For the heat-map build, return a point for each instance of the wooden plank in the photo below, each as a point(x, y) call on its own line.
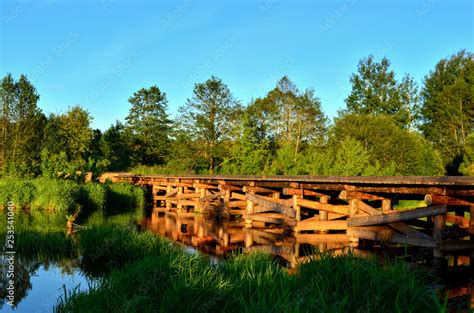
point(457, 245)
point(347, 194)
point(338, 209)
point(238, 196)
point(408, 230)
point(172, 192)
point(253, 189)
point(272, 218)
point(396, 216)
point(212, 197)
point(205, 186)
point(385, 234)
point(273, 205)
point(302, 192)
point(173, 184)
point(448, 200)
point(316, 239)
point(462, 222)
point(188, 196)
point(230, 187)
point(320, 225)
point(367, 208)
point(235, 204)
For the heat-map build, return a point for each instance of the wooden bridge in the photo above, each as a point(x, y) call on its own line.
point(352, 211)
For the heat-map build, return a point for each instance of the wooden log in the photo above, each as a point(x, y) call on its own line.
point(457, 245)
point(362, 206)
point(347, 195)
point(396, 216)
point(338, 209)
point(462, 222)
point(252, 189)
point(211, 197)
point(272, 218)
point(238, 196)
point(235, 204)
point(324, 215)
point(274, 206)
point(176, 184)
point(448, 200)
point(320, 225)
point(171, 192)
point(316, 239)
point(353, 210)
point(386, 205)
point(471, 238)
point(302, 192)
point(188, 196)
point(385, 234)
point(205, 186)
point(297, 207)
point(229, 187)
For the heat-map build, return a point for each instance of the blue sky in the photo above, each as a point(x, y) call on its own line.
point(97, 53)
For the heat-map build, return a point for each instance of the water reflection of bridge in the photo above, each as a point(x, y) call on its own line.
point(220, 237)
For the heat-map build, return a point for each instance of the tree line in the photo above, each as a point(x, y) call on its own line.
point(389, 126)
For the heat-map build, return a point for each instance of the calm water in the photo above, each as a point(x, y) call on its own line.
point(41, 283)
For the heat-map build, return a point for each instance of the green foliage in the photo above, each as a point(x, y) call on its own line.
point(251, 152)
point(20, 192)
point(21, 127)
point(390, 148)
point(50, 200)
point(115, 147)
point(208, 118)
point(376, 91)
point(148, 126)
point(467, 166)
point(448, 107)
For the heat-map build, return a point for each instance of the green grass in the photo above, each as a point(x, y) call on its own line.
point(148, 274)
point(65, 197)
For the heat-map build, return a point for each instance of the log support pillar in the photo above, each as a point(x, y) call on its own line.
point(353, 210)
point(438, 228)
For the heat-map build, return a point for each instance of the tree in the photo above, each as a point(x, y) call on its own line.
point(149, 126)
point(388, 146)
point(250, 154)
point(22, 126)
point(467, 166)
point(67, 141)
point(448, 107)
point(208, 117)
point(376, 91)
point(115, 148)
point(292, 120)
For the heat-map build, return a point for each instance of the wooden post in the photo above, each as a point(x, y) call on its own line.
point(323, 215)
point(168, 203)
point(353, 210)
point(439, 222)
point(386, 205)
point(180, 206)
point(471, 238)
point(249, 210)
point(297, 207)
point(248, 239)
